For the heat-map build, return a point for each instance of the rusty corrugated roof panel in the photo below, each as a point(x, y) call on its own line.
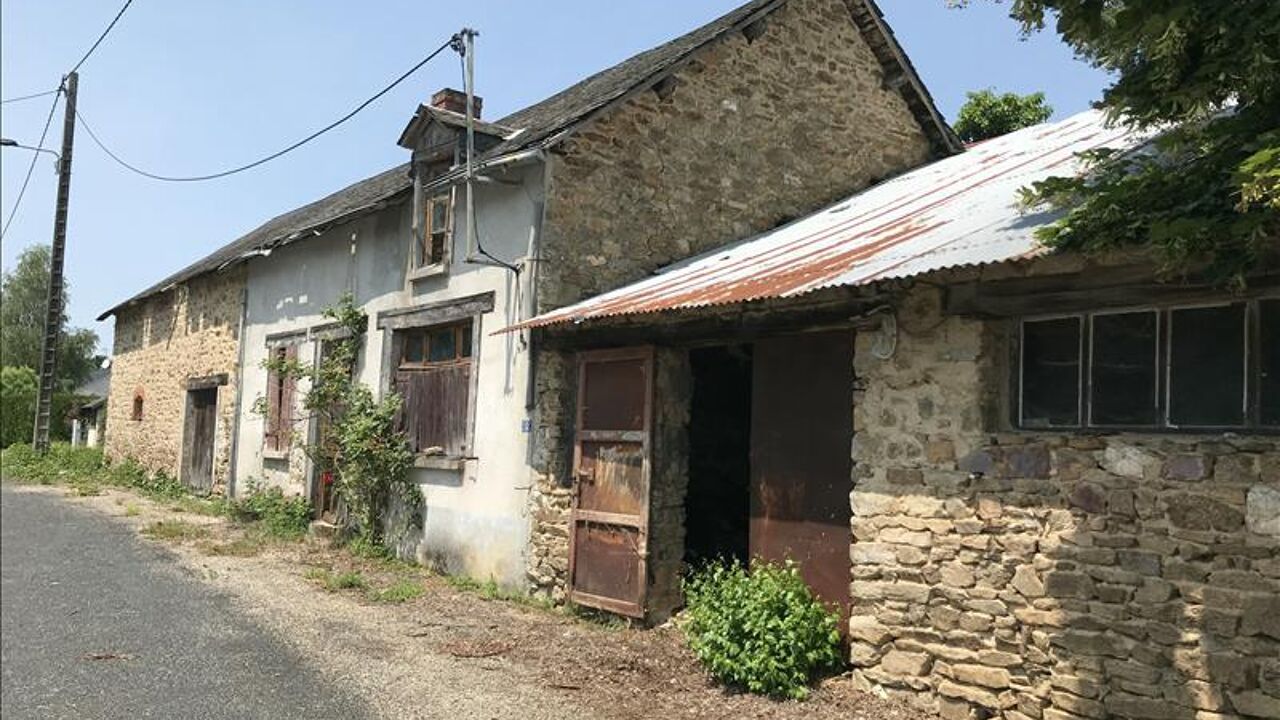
point(962, 210)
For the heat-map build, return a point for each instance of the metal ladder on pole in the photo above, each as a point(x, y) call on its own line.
point(53, 312)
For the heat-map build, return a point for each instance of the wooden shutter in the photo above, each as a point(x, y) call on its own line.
point(285, 435)
point(271, 437)
point(434, 404)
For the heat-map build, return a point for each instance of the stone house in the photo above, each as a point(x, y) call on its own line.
point(755, 118)
point(174, 376)
point(1036, 485)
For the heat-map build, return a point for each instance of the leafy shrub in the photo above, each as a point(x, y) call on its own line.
point(62, 464)
point(18, 390)
point(157, 485)
point(762, 629)
point(281, 516)
point(126, 473)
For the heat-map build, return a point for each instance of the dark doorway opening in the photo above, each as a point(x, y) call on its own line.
point(718, 500)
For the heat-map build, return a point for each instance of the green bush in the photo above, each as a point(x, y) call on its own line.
point(762, 629)
point(281, 515)
point(63, 464)
point(17, 405)
point(156, 485)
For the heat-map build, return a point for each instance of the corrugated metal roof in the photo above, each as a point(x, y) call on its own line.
point(962, 210)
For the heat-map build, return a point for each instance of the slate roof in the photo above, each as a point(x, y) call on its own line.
point(343, 205)
point(543, 123)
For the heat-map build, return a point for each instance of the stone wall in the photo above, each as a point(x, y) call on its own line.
point(668, 481)
point(191, 331)
point(754, 133)
point(1049, 575)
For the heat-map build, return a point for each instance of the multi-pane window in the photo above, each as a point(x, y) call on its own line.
point(432, 247)
point(1206, 366)
point(433, 378)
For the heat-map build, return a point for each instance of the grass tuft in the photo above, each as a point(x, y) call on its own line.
point(401, 590)
point(333, 582)
point(175, 530)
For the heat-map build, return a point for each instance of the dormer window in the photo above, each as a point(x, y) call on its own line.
point(435, 239)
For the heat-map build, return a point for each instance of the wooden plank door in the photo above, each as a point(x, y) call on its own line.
point(801, 458)
point(201, 422)
point(609, 529)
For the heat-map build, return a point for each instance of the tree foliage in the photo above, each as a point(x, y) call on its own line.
point(987, 114)
point(1206, 76)
point(23, 297)
point(17, 404)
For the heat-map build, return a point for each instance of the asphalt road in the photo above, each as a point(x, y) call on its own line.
point(74, 584)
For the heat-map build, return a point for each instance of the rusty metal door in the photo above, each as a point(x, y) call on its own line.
point(608, 544)
point(801, 460)
point(201, 423)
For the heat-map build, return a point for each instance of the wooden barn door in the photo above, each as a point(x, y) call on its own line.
point(608, 545)
point(201, 422)
point(801, 458)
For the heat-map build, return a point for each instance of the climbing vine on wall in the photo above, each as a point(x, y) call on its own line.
point(361, 441)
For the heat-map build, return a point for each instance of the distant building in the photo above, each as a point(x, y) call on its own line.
point(89, 419)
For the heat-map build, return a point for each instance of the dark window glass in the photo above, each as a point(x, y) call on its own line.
point(413, 348)
point(1269, 355)
point(466, 341)
point(442, 344)
point(1123, 369)
point(1206, 366)
point(1051, 372)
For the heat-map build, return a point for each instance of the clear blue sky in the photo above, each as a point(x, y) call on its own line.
point(194, 87)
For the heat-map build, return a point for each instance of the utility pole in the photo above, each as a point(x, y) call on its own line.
point(53, 313)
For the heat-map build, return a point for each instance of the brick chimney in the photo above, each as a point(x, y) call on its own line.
point(456, 101)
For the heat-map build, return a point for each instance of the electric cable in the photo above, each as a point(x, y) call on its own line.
point(35, 156)
point(103, 36)
point(232, 171)
point(28, 97)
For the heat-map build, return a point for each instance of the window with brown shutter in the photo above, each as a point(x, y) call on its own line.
point(433, 379)
point(280, 399)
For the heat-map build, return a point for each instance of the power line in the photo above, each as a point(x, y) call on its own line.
point(104, 34)
point(212, 176)
point(35, 156)
point(28, 97)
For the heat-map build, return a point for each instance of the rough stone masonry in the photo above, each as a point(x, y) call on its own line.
point(753, 132)
point(190, 331)
point(1051, 575)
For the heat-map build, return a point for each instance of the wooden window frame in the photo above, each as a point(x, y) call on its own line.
point(394, 323)
point(461, 329)
point(422, 262)
point(1251, 399)
point(422, 333)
